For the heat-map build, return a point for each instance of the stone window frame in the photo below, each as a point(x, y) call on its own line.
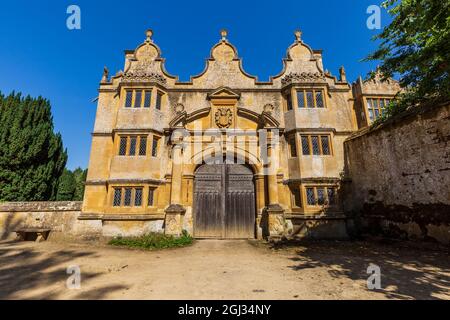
point(320, 136)
point(157, 139)
point(313, 91)
point(159, 100)
point(296, 196)
point(292, 142)
point(143, 94)
point(371, 107)
point(128, 138)
point(143, 201)
point(326, 188)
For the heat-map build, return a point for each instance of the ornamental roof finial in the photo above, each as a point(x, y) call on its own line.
point(149, 34)
point(224, 34)
point(298, 35)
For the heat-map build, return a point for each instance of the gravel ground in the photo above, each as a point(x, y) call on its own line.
point(212, 269)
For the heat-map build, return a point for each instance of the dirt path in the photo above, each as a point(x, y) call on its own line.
point(222, 270)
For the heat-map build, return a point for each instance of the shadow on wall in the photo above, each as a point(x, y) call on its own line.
point(406, 272)
point(26, 273)
point(9, 225)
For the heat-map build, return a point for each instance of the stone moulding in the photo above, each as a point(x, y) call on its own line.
point(121, 217)
point(143, 76)
point(303, 77)
point(40, 206)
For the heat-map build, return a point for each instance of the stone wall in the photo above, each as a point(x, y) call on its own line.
point(67, 223)
point(399, 174)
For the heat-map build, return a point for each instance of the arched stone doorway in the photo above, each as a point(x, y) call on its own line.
point(224, 202)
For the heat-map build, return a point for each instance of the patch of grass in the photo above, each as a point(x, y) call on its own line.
point(153, 241)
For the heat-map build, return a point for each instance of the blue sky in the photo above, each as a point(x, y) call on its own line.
point(40, 56)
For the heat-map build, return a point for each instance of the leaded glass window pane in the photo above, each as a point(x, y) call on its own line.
point(320, 196)
point(371, 114)
point(117, 197)
point(127, 197)
point(325, 145)
point(377, 113)
point(301, 99)
point(138, 197)
point(158, 100)
point(155, 147)
point(151, 196)
point(138, 99)
point(315, 145)
point(310, 197)
point(147, 99)
point(143, 146)
point(369, 103)
point(293, 147)
point(297, 198)
point(289, 102)
point(123, 146)
point(128, 99)
point(319, 100)
point(331, 196)
point(382, 104)
point(305, 146)
point(133, 141)
point(309, 99)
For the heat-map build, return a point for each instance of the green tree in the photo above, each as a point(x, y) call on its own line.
point(416, 46)
point(80, 178)
point(66, 187)
point(32, 157)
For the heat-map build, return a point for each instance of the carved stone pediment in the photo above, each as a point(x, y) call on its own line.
point(303, 77)
point(224, 93)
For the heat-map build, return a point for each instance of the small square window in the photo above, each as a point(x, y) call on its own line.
point(147, 99)
point(310, 197)
point(127, 197)
point(151, 197)
point(143, 146)
point(133, 141)
point(315, 145)
point(117, 197)
point(309, 99)
point(325, 145)
point(301, 99)
point(128, 99)
point(305, 146)
point(138, 197)
point(319, 100)
point(123, 146)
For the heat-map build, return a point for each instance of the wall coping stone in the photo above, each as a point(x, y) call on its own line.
point(40, 206)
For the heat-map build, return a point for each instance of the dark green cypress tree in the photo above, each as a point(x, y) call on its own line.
point(66, 187)
point(32, 157)
point(80, 179)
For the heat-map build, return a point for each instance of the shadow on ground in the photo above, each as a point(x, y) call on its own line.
point(408, 270)
point(24, 271)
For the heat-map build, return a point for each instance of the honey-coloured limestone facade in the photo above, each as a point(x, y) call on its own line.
point(224, 155)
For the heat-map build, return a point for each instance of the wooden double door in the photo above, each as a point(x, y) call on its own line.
point(224, 202)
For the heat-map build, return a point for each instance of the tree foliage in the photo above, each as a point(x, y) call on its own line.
point(32, 157)
point(416, 46)
point(71, 185)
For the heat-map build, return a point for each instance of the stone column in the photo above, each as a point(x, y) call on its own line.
point(175, 211)
point(274, 212)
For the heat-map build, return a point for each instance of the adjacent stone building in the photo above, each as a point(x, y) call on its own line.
point(224, 155)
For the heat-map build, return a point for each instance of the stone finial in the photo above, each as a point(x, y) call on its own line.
point(342, 75)
point(224, 34)
point(105, 75)
point(298, 35)
point(149, 34)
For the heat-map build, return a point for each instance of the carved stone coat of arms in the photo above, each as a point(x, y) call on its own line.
point(224, 117)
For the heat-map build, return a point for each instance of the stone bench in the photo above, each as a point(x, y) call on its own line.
point(36, 234)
